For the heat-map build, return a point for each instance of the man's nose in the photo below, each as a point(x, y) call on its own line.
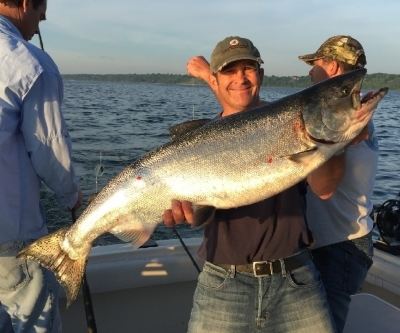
point(240, 73)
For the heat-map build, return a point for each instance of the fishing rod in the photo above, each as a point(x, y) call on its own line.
point(40, 39)
point(87, 297)
point(186, 249)
point(177, 233)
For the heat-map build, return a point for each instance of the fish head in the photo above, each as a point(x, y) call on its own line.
point(334, 112)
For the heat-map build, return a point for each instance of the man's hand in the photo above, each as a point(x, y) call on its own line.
point(199, 67)
point(78, 201)
point(180, 212)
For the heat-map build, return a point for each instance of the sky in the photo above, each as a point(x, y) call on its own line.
point(159, 36)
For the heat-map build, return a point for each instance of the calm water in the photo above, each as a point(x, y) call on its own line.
point(115, 123)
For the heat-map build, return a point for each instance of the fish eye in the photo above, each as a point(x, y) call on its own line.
point(345, 91)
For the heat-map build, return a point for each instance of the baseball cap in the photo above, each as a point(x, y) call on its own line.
point(341, 48)
point(232, 49)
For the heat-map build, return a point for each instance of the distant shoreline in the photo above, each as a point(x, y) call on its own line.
point(372, 81)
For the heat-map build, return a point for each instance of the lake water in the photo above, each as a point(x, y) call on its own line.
point(115, 123)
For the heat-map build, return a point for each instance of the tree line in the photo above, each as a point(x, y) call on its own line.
point(371, 81)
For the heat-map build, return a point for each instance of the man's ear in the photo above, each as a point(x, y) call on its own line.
point(334, 68)
point(261, 72)
point(213, 82)
point(25, 4)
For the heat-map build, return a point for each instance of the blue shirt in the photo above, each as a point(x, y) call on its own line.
point(346, 215)
point(34, 143)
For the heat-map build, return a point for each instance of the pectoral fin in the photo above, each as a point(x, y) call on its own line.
point(303, 156)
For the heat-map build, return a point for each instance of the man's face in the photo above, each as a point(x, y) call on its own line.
point(319, 71)
point(31, 17)
point(238, 85)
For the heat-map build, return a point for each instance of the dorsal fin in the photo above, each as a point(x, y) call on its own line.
point(182, 128)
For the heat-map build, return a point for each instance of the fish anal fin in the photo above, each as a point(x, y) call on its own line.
point(48, 253)
point(134, 233)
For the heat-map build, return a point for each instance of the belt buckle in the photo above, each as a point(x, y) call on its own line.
point(262, 268)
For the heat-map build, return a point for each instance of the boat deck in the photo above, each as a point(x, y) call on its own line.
point(150, 290)
point(370, 314)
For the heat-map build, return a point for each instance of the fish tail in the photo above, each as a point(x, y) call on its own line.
point(48, 252)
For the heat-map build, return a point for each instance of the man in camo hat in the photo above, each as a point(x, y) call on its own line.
point(339, 202)
point(344, 51)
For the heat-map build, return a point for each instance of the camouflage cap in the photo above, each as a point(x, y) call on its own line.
point(232, 49)
point(340, 48)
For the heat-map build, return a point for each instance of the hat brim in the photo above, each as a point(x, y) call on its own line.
point(237, 58)
point(310, 58)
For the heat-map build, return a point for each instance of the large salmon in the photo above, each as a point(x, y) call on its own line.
point(228, 162)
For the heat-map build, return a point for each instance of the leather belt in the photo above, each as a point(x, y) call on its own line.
point(265, 268)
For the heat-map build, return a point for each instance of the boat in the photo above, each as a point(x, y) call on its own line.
point(137, 290)
point(150, 290)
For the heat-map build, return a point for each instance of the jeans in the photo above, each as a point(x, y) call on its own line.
point(231, 302)
point(343, 268)
point(28, 294)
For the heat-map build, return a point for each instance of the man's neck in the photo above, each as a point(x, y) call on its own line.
point(230, 111)
point(10, 13)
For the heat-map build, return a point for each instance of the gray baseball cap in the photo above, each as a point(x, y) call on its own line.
point(232, 49)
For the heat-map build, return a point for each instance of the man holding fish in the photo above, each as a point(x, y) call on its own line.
point(258, 275)
point(339, 204)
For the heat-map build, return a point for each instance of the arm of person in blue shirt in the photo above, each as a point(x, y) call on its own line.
point(325, 180)
point(47, 139)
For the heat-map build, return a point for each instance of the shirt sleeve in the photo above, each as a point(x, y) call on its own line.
point(47, 139)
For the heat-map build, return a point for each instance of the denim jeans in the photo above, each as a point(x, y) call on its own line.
point(231, 302)
point(343, 268)
point(28, 294)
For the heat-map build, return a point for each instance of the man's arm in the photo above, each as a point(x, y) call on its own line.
point(324, 180)
point(47, 140)
point(199, 67)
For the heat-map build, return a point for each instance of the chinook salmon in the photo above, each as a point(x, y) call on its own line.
point(228, 162)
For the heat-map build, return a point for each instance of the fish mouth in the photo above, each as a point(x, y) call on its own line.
point(371, 95)
point(369, 102)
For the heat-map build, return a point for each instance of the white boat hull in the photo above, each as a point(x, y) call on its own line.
point(151, 289)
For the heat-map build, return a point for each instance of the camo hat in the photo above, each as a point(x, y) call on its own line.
point(232, 49)
point(340, 48)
